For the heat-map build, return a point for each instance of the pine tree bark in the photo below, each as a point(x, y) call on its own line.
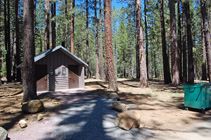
point(13, 56)
point(67, 27)
point(72, 6)
point(53, 23)
point(102, 75)
point(179, 40)
point(184, 44)
point(111, 74)
point(204, 68)
point(146, 34)
point(190, 44)
point(137, 51)
point(1, 41)
point(87, 37)
point(174, 47)
point(47, 24)
point(7, 38)
point(29, 83)
point(18, 61)
point(140, 44)
point(96, 43)
point(166, 69)
point(206, 31)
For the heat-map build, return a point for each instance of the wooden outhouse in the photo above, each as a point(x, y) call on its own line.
point(58, 69)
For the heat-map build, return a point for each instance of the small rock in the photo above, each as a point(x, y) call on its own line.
point(40, 117)
point(114, 96)
point(119, 106)
point(33, 106)
point(128, 119)
point(3, 134)
point(22, 123)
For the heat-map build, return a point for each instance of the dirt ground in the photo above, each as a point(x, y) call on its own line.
point(161, 106)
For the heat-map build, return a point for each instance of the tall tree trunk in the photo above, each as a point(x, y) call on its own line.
point(190, 44)
point(140, 44)
point(179, 41)
point(29, 83)
point(174, 50)
point(101, 45)
point(47, 26)
point(72, 6)
point(146, 34)
point(166, 69)
point(137, 53)
point(35, 10)
point(184, 44)
point(7, 38)
point(53, 23)
point(154, 65)
point(204, 68)
point(13, 62)
point(111, 74)
point(206, 31)
point(96, 43)
point(18, 61)
point(87, 37)
point(1, 41)
point(67, 27)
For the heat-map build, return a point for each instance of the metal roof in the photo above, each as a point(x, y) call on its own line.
point(45, 53)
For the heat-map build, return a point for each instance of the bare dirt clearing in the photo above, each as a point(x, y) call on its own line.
point(161, 106)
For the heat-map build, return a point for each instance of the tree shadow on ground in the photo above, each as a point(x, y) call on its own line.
point(90, 119)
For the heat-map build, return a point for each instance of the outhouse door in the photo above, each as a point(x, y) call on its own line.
point(41, 77)
point(73, 77)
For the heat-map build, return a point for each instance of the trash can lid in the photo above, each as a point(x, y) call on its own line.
point(196, 85)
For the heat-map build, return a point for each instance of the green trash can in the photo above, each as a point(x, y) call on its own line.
point(198, 96)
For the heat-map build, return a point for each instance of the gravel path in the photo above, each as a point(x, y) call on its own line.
point(90, 118)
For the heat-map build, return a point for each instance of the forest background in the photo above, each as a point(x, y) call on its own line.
point(90, 47)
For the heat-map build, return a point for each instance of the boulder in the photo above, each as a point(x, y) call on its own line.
point(119, 106)
point(33, 106)
point(3, 134)
point(22, 123)
point(40, 117)
point(114, 96)
point(128, 119)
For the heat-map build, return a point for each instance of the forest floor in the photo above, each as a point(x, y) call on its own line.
point(161, 106)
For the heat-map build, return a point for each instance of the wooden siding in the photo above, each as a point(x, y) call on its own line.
point(81, 77)
point(56, 61)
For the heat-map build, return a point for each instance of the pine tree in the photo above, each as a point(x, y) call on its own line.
point(47, 22)
point(7, 38)
point(146, 34)
point(1, 41)
point(166, 71)
point(174, 47)
point(53, 23)
point(29, 84)
point(87, 37)
point(72, 6)
point(140, 44)
point(206, 31)
point(190, 44)
point(101, 43)
point(111, 75)
point(96, 42)
point(17, 39)
point(184, 44)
